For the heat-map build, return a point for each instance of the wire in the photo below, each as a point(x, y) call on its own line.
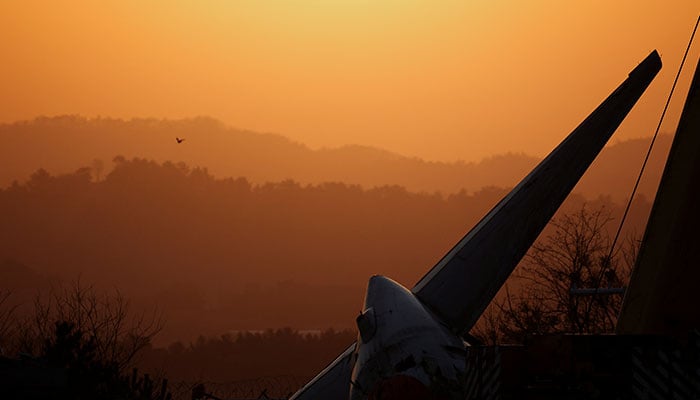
point(646, 159)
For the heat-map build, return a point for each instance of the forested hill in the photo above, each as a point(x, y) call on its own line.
point(64, 144)
point(221, 254)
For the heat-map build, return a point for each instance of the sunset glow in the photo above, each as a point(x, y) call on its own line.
point(443, 81)
point(241, 169)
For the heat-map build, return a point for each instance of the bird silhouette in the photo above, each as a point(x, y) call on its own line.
point(179, 140)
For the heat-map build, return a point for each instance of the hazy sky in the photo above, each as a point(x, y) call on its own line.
point(441, 80)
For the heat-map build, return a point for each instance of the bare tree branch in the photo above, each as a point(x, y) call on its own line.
point(574, 255)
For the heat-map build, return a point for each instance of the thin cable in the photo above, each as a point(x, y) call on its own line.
point(641, 171)
point(651, 145)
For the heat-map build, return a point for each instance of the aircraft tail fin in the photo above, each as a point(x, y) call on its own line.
point(461, 285)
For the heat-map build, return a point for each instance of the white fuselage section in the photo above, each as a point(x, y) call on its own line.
point(401, 340)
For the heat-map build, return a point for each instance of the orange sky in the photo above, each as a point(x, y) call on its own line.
point(442, 80)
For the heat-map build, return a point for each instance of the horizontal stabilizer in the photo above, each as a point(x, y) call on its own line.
point(333, 383)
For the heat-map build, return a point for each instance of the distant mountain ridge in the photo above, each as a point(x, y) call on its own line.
point(65, 143)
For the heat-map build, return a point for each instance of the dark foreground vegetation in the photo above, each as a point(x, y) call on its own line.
point(77, 343)
point(571, 281)
point(74, 343)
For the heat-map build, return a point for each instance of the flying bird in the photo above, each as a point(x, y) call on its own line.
point(179, 140)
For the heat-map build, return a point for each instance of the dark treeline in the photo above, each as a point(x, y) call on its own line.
point(248, 355)
point(224, 254)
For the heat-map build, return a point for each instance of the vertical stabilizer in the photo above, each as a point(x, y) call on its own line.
point(464, 282)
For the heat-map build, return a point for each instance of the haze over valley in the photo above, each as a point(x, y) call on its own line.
point(254, 238)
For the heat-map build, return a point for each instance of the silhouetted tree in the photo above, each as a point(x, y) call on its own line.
point(96, 326)
point(84, 343)
point(576, 255)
